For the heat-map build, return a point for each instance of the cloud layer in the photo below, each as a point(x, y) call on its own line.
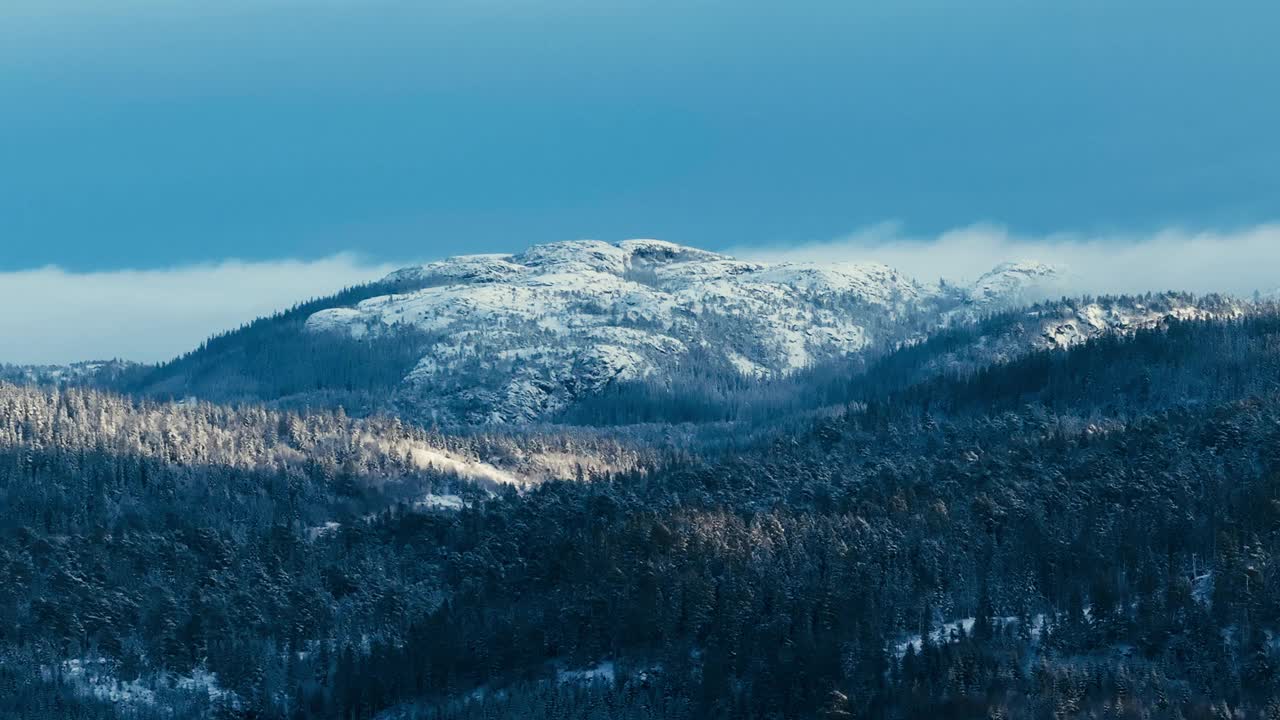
point(54, 316)
point(1238, 261)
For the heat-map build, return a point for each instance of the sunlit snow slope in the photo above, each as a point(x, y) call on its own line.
point(521, 336)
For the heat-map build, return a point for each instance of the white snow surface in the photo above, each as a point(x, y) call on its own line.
point(432, 501)
point(1099, 318)
point(1026, 280)
point(427, 458)
point(943, 634)
point(95, 677)
point(602, 673)
point(522, 336)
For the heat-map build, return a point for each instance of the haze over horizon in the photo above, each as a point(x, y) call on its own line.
point(154, 315)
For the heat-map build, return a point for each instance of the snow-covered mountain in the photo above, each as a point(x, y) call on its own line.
point(1013, 282)
point(1069, 322)
point(519, 337)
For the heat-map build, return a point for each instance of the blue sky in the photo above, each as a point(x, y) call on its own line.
point(153, 133)
point(170, 168)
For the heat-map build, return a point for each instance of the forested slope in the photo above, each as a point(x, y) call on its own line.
point(272, 360)
point(1076, 533)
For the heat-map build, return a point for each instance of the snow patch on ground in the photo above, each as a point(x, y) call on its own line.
point(944, 633)
point(319, 531)
point(1202, 588)
point(439, 502)
point(96, 678)
point(474, 470)
point(602, 673)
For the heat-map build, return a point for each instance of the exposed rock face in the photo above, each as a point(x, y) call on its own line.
point(521, 336)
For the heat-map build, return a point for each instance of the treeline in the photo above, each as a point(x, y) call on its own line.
point(273, 360)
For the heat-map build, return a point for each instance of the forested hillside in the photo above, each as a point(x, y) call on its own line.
point(272, 360)
point(1080, 532)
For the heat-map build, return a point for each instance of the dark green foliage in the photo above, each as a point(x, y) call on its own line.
point(274, 360)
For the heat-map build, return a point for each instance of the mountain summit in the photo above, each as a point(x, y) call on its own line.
point(518, 337)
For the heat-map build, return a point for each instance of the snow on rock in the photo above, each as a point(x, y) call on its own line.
point(878, 284)
point(519, 337)
point(1075, 324)
point(1016, 282)
point(463, 268)
point(1064, 324)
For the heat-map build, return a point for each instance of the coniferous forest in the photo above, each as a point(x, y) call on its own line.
point(1091, 532)
point(688, 360)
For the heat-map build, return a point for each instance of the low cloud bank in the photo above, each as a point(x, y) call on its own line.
point(1238, 262)
point(54, 316)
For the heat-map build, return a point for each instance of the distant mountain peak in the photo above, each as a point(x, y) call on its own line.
point(1018, 281)
point(520, 336)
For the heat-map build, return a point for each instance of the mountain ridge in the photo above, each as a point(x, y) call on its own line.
point(590, 333)
point(563, 320)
